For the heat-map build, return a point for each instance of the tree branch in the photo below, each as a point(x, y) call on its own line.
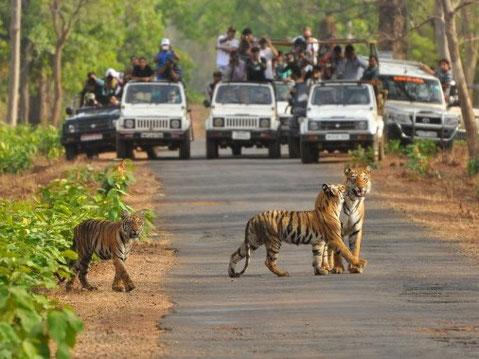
point(463, 4)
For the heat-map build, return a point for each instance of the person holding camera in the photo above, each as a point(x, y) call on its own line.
point(167, 63)
point(256, 66)
point(92, 85)
point(225, 45)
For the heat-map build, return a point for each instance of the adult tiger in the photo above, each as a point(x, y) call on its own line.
point(358, 185)
point(108, 240)
point(316, 227)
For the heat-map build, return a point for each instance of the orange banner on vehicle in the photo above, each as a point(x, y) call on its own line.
point(415, 80)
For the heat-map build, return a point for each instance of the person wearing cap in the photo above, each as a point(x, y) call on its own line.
point(217, 76)
point(246, 44)
point(166, 62)
point(90, 100)
point(111, 87)
point(225, 44)
point(256, 66)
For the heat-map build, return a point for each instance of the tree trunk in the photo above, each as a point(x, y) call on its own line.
point(465, 99)
point(440, 32)
point(471, 47)
point(43, 99)
point(14, 78)
point(393, 27)
point(24, 113)
point(57, 84)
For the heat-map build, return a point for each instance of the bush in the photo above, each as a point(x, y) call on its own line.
point(35, 241)
point(419, 156)
point(473, 167)
point(363, 157)
point(393, 147)
point(20, 145)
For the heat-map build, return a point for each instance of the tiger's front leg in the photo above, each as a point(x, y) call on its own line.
point(318, 256)
point(355, 245)
point(121, 275)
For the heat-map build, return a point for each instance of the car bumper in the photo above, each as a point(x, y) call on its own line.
point(409, 133)
point(157, 138)
point(90, 141)
point(243, 137)
point(326, 143)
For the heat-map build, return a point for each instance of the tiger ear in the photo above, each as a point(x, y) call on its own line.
point(368, 170)
point(124, 215)
point(347, 171)
point(326, 188)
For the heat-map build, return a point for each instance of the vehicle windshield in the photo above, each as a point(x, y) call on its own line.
point(413, 89)
point(244, 95)
point(282, 91)
point(341, 95)
point(154, 94)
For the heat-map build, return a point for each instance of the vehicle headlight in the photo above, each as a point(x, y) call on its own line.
point(264, 122)
point(175, 123)
point(451, 121)
point(71, 128)
point(362, 125)
point(129, 123)
point(313, 125)
point(401, 119)
point(218, 122)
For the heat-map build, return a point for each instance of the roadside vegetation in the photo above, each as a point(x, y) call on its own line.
point(35, 240)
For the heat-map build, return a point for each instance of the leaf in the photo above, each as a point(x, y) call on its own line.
point(29, 349)
point(7, 334)
point(57, 326)
point(70, 254)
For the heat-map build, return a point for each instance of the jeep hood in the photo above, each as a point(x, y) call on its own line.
point(153, 111)
point(246, 110)
point(411, 107)
point(343, 112)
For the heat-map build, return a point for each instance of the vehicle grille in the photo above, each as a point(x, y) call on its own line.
point(427, 120)
point(337, 125)
point(152, 123)
point(241, 122)
point(98, 124)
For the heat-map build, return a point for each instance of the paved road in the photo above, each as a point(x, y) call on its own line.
point(417, 298)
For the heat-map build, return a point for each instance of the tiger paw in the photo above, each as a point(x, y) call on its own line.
point(90, 287)
point(355, 270)
point(117, 288)
point(338, 270)
point(361, 263)
point(129, 287)
point(320, 271)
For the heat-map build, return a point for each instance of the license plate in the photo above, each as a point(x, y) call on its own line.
point(241, 135)
point(152, 135)
point(429, 134)
point(91, 137)
point(337, 137)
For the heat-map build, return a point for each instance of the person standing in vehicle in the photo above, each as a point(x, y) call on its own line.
point(443, 73)
point(142, 71)
point(268, 52)
point(256, 66)
point(246, 44)
point(225, 45)
point(236, 70)
point(210, 89)
point(371, 73)
point(166, 63)
point(308, 44)
point(353, 65)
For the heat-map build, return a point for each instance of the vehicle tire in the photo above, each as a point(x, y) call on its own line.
point(151, 153)
point(91, 155)
point(274, 149)
point(294, 149)
point(448, 146)
point(211, 149)
point(309, 152)
point(236, 149)
point(185, 147)
point(124, 149)
point(70, 153)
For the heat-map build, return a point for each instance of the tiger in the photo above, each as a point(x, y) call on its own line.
point(358, 185)
point(316, 227)
point(108, 240)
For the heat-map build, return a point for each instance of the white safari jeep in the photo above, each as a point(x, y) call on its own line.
point(340, 115)
point(153, 114)
point(243, 114)
point(415, 107)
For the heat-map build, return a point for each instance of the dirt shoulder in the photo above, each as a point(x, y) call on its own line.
point(446, 203)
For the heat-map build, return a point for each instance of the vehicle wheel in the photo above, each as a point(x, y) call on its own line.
point(447, 146)
point(294, 150)
point(70, 153)
point(236, 150)
point(151, 153)
point(91, 155)
point(185, 147)
point(274, 149)
point(211, 149)
point(309, 152)
point(124, 149)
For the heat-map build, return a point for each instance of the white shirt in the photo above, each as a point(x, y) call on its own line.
point(267, 53)
point(223, 57)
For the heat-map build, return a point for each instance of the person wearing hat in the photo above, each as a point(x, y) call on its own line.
point(256, 66)
point(166, 62)
point(225, 44)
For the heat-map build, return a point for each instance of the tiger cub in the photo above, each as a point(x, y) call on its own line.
point(358, 185)
point(108, 240)
point(316, 227)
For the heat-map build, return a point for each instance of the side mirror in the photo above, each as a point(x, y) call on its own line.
point(206, 103)
point(69, 111)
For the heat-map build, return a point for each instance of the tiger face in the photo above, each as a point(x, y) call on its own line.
point(335, 191)
point(358, 181)
point(132, 225)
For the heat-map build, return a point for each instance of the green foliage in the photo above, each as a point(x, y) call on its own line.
point(363, 157)
point(393, 147)
point(473, 166)
point(19, 146)
point(419, 156)
point(35, 242)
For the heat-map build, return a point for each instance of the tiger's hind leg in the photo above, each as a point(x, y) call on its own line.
point(121, 275)
point(272, 251)
point(71, 281)
point(237, 256)
point(83, 272)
